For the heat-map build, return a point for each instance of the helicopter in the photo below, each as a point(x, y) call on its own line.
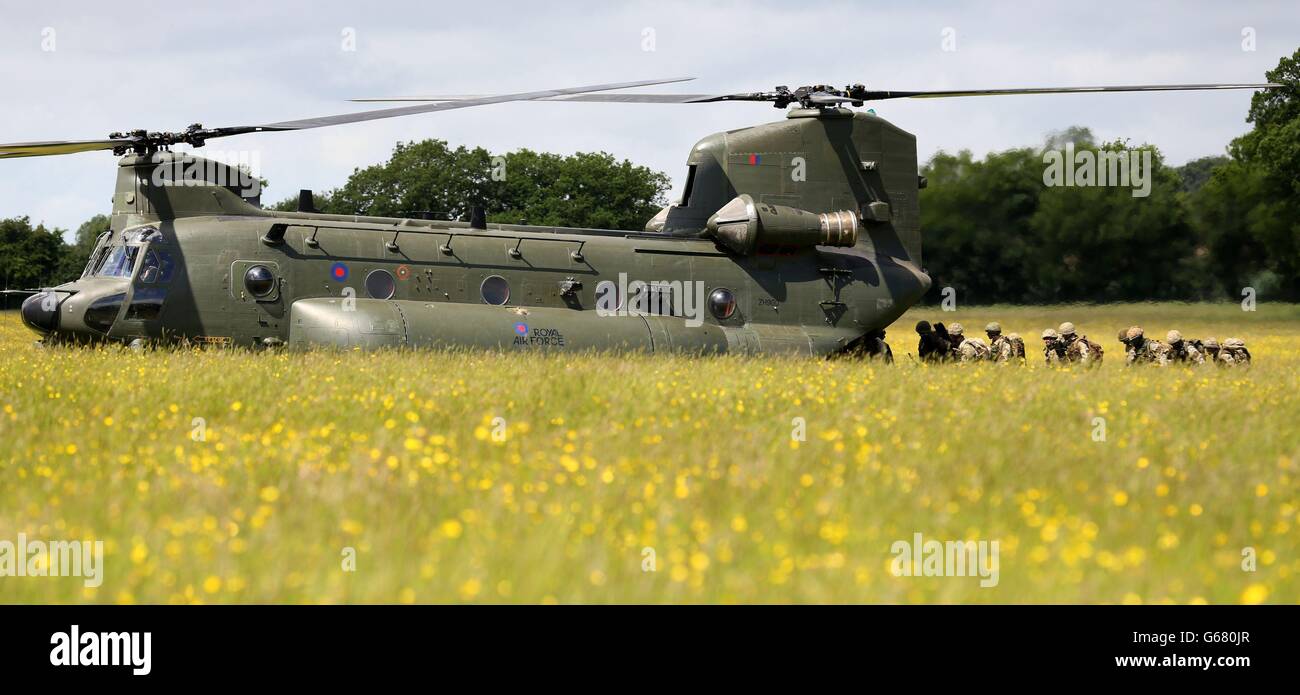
point(798, 236)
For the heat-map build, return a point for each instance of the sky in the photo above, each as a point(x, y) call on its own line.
point(81, 69)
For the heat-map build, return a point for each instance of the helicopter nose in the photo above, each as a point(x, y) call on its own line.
point(41, 312)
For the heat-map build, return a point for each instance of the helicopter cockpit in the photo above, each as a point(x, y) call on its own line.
point(134, 264)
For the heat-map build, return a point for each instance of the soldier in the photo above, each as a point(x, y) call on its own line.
point(1053, 349)
point(967, 349)
point(1182, 350)
point(1234, 352)
point(887, 352)
point(1078, 349)
point(932, 347)
point(1004, 348)
point(1140, 350)
point(941, 331)
point(1211, 347)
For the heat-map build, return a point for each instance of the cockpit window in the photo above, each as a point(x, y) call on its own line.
point(97, 254)
point(142, 235)
point(157, 266)
point(119, 262)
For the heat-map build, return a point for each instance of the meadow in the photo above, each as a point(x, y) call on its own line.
point(227, 476)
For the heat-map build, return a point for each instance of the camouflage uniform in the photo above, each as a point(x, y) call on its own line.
point(1141, 350)
point(1211, 349)
point(1078, 349)
point(1004, 348)
point(1183, 350)
point(1234, 352)
point(1053, 348)
point(968, 349)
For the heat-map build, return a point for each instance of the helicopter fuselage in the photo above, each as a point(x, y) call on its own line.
point(203, 264)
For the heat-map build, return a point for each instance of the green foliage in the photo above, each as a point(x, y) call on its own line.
point(586, 189)
point(1249, 211)
point(1209, 228)
point(1196, 173)
point(995, 231)
point(32, 257)
point(76, 255)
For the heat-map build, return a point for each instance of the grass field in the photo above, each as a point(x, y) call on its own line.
point(394, 456)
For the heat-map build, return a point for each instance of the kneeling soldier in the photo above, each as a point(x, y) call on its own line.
point(1141, 350)
point(1053, 348)
point(968, 349)
point(1182, 350)
point(931, 347)
point(1234, 352)
point(1078, 349)
point(1004, 348)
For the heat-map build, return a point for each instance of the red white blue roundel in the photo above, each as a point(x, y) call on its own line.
point(521, 328)
point(339, 271)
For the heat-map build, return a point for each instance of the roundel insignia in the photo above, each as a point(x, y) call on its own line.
point(521, 328)
point(339, 271)
point(403, 271)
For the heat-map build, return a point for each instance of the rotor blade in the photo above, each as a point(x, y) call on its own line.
point(196, 135)
point(614, 98)
point(322, 121)
point(880, 95)
point(40, 149)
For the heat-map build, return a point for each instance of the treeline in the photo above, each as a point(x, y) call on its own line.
point(585, 189)
point(995, 232)
point(38, 256)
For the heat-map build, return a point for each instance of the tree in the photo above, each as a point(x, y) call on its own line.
point(1196, 173)
point(1249, 210)
point(31, 257)
point(78, 254)
point(996, 232)
point(586, 189)
point(1104, 243)
point(975, 216)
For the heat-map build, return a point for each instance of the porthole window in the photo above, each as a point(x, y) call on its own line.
point(259, 281)
point(380, 284)
point(722, 303)
point(495, 290)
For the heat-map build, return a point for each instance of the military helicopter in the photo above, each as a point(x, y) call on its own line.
point(799, 236)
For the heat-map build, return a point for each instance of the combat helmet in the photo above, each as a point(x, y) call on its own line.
point(1050, 334)
point(993, 327)
point(1066, 328)
point(1173, 337)
point(955, 329)
point(922, 326)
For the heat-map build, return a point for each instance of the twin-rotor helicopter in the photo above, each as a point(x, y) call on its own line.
point(799, 236)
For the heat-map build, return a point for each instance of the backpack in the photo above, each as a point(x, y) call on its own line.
point(1094, 348)
point(981, 350)
point(1017, 346)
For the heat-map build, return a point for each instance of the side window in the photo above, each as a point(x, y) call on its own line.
point(157, 267)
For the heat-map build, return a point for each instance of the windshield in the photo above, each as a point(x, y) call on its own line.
point(119, 262)
point(97, 253)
